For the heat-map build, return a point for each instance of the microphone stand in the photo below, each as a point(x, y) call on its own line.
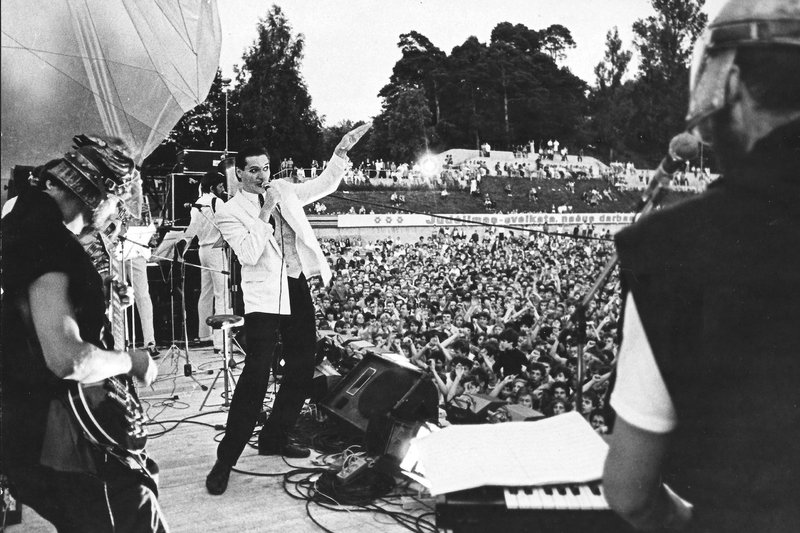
point(652, 197)
point(174, 351)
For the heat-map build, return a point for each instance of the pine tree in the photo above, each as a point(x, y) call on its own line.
point(271, 98)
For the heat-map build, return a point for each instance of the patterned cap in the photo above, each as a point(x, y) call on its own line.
point(95, 171)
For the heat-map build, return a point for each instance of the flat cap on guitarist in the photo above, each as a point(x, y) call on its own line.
point(58, 356)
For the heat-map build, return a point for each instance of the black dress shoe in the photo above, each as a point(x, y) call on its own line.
point(217, 479)
point(291, 451)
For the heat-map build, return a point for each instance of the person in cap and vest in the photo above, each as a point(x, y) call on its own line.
point(707, 433)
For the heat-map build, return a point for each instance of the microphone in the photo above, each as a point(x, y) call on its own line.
point(682, 147)
point(198, 206)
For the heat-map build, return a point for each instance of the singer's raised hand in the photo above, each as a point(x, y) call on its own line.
point(351, 138)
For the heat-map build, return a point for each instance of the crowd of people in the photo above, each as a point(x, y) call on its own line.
point(491, 314)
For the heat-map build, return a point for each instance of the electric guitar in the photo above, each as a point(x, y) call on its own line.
point(109, 411)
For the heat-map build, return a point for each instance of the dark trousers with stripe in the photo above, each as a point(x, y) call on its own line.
point(114, 500)
point(297, 333)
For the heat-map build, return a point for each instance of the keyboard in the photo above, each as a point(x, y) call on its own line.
point(553, 508)
point(577, 497)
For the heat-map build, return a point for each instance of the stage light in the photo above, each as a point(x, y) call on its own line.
point(429, 165)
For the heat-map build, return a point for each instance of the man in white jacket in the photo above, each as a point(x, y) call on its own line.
point(212, 298)
point(266, 227)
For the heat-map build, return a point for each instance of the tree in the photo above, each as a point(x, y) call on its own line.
point(407, 119)
point(637, 118)
point(556, 39)
point(610, 102)
point(506, 92)
point(203, 128)
point(664, 42)
point(418, 67)
point(503, 57)
point(271, 97)
point(466, 91)
point(610, 71)
point(520, 36)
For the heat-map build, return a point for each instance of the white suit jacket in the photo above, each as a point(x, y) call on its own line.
point(202, 222)
point(264, 285)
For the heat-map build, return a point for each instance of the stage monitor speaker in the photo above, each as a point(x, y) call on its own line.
point(375, 386)
point(483, 403)
point(520, 413)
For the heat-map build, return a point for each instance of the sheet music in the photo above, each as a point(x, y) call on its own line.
point(167, 247)
point(560, 449)
point(136, 240)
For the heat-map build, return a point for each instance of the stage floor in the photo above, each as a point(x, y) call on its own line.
point(186, 451)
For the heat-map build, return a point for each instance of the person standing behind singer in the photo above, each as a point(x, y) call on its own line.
point(707, 395)
point(266, 227)
point(136, 256)
point(212, 298)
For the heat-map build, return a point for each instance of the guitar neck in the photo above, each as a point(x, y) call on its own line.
point(116, 311)
point(113, 263)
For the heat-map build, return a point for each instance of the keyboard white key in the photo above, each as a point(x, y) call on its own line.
point(548, 498)
point(571, 498)
point(598, 498)
point(534, 496)
point(603, 502)
point(511, 496)
point(523, 498)
point(584, 497)
point(560, 496)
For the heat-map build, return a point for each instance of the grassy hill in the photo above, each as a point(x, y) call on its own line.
point(551, 193)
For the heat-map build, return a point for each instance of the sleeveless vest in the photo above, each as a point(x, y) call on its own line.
point(716, 281)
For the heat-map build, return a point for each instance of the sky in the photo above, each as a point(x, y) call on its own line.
point(351, 45)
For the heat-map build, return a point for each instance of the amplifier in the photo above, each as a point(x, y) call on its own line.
point(201, 160)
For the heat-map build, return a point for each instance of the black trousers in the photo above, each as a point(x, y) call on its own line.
point(114, 501)
point(298, 337)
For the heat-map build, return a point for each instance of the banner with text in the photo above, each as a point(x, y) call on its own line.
point(520, 219)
